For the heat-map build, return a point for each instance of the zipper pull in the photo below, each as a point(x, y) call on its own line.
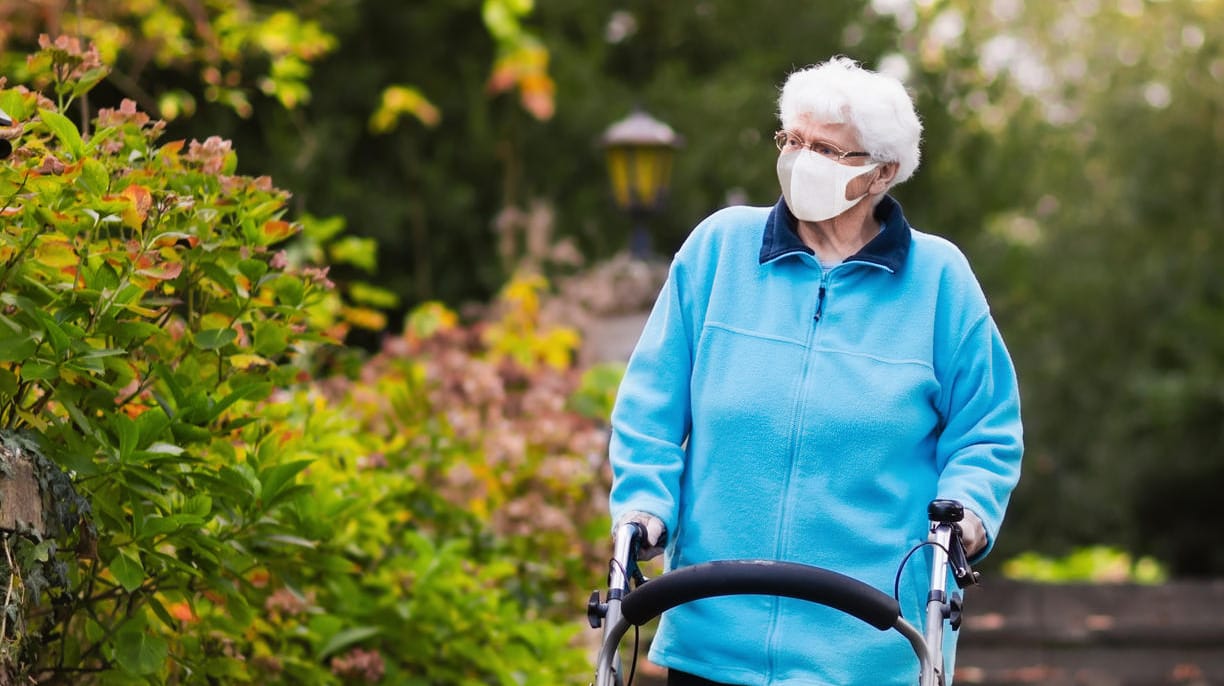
point(819, 303)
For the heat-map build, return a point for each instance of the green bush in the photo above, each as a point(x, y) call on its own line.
point(1097, 564)
point(145, 311)
point(237, 521)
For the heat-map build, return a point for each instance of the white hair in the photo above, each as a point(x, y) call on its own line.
point(840, 91)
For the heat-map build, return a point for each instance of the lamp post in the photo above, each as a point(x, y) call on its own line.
point(639, 150)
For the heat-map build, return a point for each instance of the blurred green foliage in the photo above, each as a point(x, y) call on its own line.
point(597, 392)
point(1096, 564)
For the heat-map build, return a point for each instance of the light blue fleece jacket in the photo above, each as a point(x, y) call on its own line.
point(774, 409)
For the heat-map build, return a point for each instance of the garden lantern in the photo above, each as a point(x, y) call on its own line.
point(639, 152)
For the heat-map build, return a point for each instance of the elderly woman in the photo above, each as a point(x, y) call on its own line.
point(811, 376)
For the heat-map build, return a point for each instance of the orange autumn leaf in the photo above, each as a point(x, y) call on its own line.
point(277, 230)
point(134, 410)
point(164, 271)
point(337, 332)
point(172, 239)
point(141, 202)
point(182, 612)
point(503, 78)
point(259, 578)
point(150, 273)
point(173, 147)
point(540, 105)
point(365, 318)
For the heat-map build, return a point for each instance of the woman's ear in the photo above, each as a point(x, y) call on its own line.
point(885, 174)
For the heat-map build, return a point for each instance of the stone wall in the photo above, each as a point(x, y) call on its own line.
point(1102, 635)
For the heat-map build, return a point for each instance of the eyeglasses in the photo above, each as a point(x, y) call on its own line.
point(789, 141)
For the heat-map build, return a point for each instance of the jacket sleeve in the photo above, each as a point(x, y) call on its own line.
point(981, 443)
point(651, 417)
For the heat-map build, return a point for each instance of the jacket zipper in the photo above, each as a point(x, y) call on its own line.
point(784, 525)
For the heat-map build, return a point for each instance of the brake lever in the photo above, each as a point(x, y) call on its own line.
point(961, 570)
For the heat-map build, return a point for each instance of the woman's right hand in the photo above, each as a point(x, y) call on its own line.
point(656, 533)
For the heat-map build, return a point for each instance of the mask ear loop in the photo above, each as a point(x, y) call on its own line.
point(876, 166)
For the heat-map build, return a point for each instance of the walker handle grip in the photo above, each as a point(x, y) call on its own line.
point(760, 577)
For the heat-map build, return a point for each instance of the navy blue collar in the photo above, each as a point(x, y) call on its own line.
point(888, 249)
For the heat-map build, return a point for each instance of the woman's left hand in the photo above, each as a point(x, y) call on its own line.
point(973, 534)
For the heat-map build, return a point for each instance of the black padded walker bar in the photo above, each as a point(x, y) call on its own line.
point(760, 577)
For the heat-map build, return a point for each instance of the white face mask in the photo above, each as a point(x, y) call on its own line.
point(814, 186)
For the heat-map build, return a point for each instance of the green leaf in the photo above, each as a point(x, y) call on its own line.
point(128, 571)
point(94, 177)
point(160, 610)
point(292, 540)
point(127, 432)
point(17, 349)
point(41, 370)
point(253, 270)
point(13, 104)
point(374, 296)
point(172, 382)
point(199, 505)
point(163, 448)
point(252, 390)
point(271, 338)
point(85, 365)
point(152, 485)
point(129, 331)
point(218, 274)
point(322, 230)
point(156, 526)
point(343, 639)
point(265, 210)
point(8, 383)
point(153, 426)
point(359, 252)
point(215, 339)
point(94, 631)
point(288, 494)
point(64, 130)
point(169, 562)
point(290, 290)
point(276, 478)
point(86, 81)
point(239, 608)
point(241, 479)
point(103, 278)
point(186, 433)
point(60, 341)
point(138, 651)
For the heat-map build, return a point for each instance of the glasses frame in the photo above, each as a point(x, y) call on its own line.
point(785, 140)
